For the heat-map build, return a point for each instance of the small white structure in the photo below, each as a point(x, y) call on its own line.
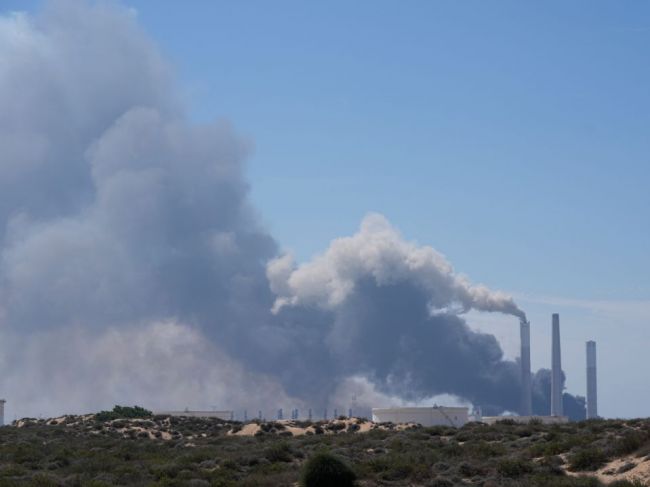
point(426, 416)
point(526, 419)
point(225, 415)
point(2, 412)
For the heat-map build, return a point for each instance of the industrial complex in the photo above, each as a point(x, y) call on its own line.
point(457, 416)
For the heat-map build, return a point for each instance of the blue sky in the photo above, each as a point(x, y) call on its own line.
point(511, 136)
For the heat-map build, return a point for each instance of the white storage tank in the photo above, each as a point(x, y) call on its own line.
point(426, 416)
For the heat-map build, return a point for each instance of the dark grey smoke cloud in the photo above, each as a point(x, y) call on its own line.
point(573, 406)
point(134, 270)
point(397, 319)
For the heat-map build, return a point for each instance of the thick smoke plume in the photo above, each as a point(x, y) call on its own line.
point(133, 268)
point(380, 253)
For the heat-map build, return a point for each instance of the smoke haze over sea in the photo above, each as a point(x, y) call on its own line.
point(134, 268)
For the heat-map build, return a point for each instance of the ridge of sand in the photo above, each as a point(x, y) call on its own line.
point(622, 469)
point(629, 467)
point(331, 427)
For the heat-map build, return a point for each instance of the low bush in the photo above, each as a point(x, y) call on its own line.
point(122, 412)
point(514, 467)
point(470, 470)
point(440, 482)
point(586, 459)
point(280, 452)
point(326, 470)
point(628, 443)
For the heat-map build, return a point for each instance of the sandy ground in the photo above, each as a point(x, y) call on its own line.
point(619, 469)
point(629, 467)
point(124, 430)
point(342, 425)
point(161, 429)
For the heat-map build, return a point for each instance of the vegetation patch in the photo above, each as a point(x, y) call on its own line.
point(587, 459)
point(122, 412)
point(133, 447)
point(326, 470)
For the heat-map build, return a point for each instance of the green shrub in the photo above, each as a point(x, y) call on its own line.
point(325, 470)
point(42, 480)
point(514, 467)
point(441, 482)
point(628, 443)
point(587, 459)
point(470, 470)
point(122, 412)
point(335, 426)
point(280, 452)
point(482, 449)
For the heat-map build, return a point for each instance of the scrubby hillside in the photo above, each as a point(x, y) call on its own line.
point(100, 450)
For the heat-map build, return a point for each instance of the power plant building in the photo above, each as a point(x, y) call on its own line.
point(592, 387)
point(458, 416)
point(557, 384)
point(426, 416)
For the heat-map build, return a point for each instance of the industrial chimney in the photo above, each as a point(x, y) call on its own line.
point(556, 370)
point(526, 391)
point(592, 392)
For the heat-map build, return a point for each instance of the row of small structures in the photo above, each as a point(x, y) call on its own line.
point(425, 416)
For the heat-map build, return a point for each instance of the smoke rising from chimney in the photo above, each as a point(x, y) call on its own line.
point(379, 252)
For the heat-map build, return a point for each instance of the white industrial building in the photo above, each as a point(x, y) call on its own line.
point(426, 416)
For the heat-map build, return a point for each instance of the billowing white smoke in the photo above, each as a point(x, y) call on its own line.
point(132, 268)
point(364, 395)
point(117, 215)
point(378, 251)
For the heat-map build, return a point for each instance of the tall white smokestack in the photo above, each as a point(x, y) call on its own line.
point(556, 370)
point(592, 392)
point(526, 391)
